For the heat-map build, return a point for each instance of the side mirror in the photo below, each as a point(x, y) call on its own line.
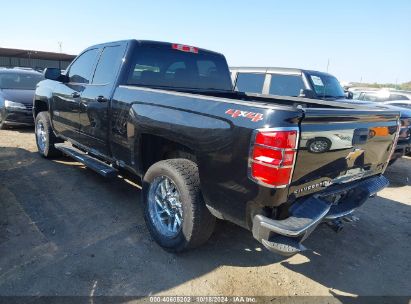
point(349, 95)
point(307, 94)
point(54, 74)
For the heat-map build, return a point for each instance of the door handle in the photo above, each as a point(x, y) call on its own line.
point(75, 94)
point(101, 99)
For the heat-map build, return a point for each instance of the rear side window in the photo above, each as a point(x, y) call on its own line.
point(82, 68)
point(169, 68)
point(286, 85)
point(250, 82)
point(108, 65)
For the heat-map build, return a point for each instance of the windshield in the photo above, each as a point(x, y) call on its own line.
point(162, 67)
point(326, 86)
point(19, 81)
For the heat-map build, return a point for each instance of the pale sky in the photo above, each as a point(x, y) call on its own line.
point(368, 40)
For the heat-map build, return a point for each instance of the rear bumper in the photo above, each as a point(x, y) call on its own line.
point(285, 236)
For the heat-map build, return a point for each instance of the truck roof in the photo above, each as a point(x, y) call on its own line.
point(152, 43)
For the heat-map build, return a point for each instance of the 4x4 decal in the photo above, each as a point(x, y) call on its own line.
point(250, 115)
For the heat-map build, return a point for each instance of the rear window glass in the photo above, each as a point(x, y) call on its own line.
point(286, 85)
point(162, 67)
point(250, 82)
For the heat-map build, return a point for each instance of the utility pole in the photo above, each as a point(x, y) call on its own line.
point(328, 64)
point(60, 46)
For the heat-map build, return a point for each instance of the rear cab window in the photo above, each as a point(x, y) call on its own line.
point(250, 82)
point(169, 68)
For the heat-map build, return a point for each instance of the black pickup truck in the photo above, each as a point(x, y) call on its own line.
point(168, 114)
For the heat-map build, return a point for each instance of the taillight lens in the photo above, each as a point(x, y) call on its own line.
point(272, 156)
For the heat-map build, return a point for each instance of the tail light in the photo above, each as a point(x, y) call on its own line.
point(272, 156)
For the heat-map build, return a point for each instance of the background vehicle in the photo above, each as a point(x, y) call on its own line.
point(287, 82)
point(318, 85)
point(16, 96)
point(383, 95)
point(399, 99)
point(168, 113)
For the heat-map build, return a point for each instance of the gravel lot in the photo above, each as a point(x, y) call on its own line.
point(64, 230)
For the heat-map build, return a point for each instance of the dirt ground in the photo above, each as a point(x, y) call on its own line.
point(64, 230)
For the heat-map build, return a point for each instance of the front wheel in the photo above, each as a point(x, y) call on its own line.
point(45, 137)
point(175, 212)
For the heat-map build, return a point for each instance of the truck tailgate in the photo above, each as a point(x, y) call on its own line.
point(339, 146)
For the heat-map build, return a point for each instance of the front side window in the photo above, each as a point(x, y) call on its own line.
point(286, 85)
point(81, 70)
point(250, 82)
point(168, 68)
point(19, 81)
point(108, 65)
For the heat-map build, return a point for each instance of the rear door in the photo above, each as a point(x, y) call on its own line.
point(95, 99)
point(66, 96)
point(342, 145)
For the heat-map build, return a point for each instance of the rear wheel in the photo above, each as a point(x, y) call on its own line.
point(45, 137)
point(175, 212)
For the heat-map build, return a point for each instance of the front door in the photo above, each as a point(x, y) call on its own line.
point(65, 106)
point(95, 100)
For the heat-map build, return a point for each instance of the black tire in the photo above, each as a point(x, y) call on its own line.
point(197, 221)
point(48, 150)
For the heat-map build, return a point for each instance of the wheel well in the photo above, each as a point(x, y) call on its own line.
point(40, 106)
point(155, 148)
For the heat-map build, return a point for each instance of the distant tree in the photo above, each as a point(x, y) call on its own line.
point(403, 86)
